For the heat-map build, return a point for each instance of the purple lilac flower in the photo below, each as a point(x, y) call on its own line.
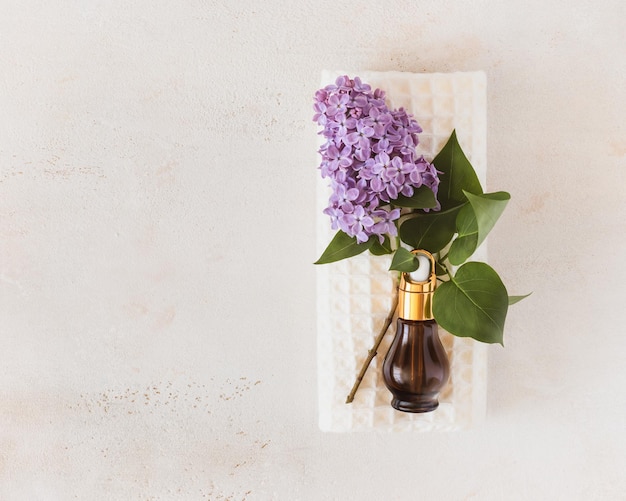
point(369, 156)
point(359, 222)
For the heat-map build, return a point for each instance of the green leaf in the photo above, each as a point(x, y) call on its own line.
point(429, 231)
point(487, 208)
point(440, 270)
point(341, 247)
point(517, 299)
point(423, 198)
point(474, 223)
point(457, 174)
point(466, 242)
point(473, 304)
point(404, 260)
point(379, 249)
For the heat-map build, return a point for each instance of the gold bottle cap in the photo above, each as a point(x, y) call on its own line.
point(415, 297)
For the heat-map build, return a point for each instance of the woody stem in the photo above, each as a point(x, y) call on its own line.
point(374, 350)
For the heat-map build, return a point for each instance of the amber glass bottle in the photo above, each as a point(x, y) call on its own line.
point(416, 367)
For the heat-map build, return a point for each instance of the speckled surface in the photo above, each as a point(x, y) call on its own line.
point(158, 229)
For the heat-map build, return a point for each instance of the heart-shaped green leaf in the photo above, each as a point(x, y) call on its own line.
point(429, 231)
point(474, 223)
point(457, 174)
point(404, 260)
point(487, 208)
point(423, 198)
point(465, 243)
point(341, 247)
point(379, 249)
point(473, 304)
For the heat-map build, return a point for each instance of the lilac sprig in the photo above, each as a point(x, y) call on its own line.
point(370, 158)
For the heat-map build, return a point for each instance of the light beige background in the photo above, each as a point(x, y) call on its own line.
point(157, 298)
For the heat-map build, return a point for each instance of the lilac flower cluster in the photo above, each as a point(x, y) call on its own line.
point(369, 156)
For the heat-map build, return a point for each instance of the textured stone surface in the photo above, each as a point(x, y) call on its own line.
point(158, 228)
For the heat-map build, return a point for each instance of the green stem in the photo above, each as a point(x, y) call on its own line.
point(398, 243)
point(445, 268)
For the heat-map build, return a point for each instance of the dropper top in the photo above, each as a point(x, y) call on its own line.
point(423, 272)
point(416, 289)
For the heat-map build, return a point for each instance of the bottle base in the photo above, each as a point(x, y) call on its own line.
point(417, 405)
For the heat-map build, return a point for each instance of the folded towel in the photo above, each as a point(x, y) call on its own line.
point(354, 295)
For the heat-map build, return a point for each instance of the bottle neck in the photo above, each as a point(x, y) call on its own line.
point(414, 322)
point(415, 305)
